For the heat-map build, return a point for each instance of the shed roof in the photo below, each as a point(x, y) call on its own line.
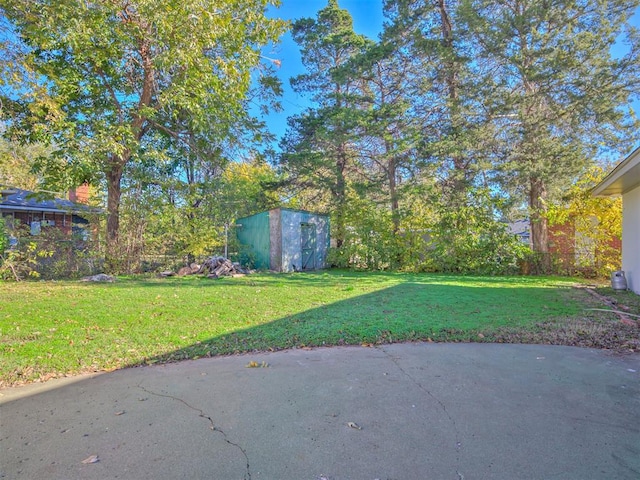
point(623, 178)
point(16, 199)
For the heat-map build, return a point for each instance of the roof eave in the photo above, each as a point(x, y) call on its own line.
point(623, 178)
point(45, 210)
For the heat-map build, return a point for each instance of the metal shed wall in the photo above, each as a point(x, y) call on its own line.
point(275, 232)
point(292, 222)
point(275, 239)
point(253, 234)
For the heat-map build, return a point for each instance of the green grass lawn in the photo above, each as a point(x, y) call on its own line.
point(50, 329)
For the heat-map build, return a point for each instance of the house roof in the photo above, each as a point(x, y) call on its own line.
point(519, 227)
point(16, 199)
point(623, 178)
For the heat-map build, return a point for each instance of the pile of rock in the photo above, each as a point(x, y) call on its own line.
point(101, 277)
point(214, 267)
point(219, 266)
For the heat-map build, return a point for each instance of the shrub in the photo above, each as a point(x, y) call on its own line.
point(369, 241)
point(4, 236)
point(471, 239)
point(50, 255)
point(432, 236)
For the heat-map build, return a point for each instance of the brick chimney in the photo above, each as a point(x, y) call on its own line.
point(80, 194)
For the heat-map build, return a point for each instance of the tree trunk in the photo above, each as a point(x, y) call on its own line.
point(113, 261)
point(340, 195)
point(447, 41)
point(393, 193)
point(539, 224)
point(392, 167)
point(459, 177)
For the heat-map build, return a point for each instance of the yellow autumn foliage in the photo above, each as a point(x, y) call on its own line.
point(597, 222)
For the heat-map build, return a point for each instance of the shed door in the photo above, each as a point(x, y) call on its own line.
point(308, 245)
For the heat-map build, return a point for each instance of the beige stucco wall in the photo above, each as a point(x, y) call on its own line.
point(631, 238)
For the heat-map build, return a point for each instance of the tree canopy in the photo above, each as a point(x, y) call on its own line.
point(113, 83)
point(468, 108)
point(422, 144)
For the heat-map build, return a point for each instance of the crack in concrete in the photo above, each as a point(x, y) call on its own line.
point(213, 427)
point(394, 360)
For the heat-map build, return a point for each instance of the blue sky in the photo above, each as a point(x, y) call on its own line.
point(367, 20)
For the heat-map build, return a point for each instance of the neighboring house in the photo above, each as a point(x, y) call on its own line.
point(23, 207)
point(285, 240)
point(578, 250)
point(625, 180)
point(521, 229)
point(571, 250)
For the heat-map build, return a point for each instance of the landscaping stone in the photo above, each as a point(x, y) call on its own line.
point(101, 277)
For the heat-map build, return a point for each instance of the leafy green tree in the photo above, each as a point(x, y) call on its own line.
point(370, 242)
point(17, 163)
point(109, 77)
point(554, 91)
point(166, 216)
point(244, 188)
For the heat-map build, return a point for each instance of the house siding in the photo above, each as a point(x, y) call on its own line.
point(562, 244)
point(63, 222)
point(630, 238)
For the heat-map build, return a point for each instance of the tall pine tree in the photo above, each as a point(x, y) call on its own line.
point(318, 145)
point(557, 94)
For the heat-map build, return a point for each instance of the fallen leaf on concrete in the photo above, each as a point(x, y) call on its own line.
point(354, 425)
point(117, 414)
point(91, 459)
point(253, 364)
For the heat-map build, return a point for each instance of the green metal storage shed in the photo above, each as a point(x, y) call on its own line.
point(285, 240)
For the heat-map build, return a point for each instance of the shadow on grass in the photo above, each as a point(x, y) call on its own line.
point(410, 311)
point(332, 278)
point(316, 278)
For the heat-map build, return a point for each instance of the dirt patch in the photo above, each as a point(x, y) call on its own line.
point(615, 335)
point(596, 329)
